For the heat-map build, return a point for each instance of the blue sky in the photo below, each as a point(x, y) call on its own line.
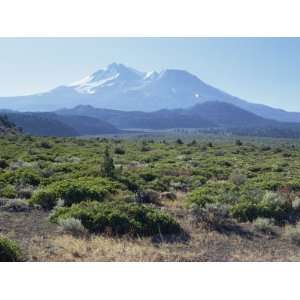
point(262, 70)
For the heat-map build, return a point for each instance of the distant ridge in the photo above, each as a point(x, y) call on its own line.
point(216, 116)
point(51, 124)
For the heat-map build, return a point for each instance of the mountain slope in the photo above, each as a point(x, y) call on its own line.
point(205, 115)
point(228, 115)
point(50, 124)
point(7, 127)
point(214, 115)
point(123, 88)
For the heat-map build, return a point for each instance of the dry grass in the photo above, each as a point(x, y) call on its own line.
point(42, 241)
point(99, 248)
point(203, 245)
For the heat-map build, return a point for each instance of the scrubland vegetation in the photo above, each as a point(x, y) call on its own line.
point(143, 199)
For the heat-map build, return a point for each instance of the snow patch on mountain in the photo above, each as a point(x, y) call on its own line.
point(90, 84)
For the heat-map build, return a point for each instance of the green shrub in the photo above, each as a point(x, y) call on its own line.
point(24, 192)
point(119, 151)
point(9, 250)
point(45, 144)
point(119, 218)
point(8, 192)
point(244, 211)
point(27, 176)
point(148, 196)
point(265, 225)
point(73, 191)
point(213, 192)
point(3, 164)
point(148, 176)
point(270, 205)
point(45, 197)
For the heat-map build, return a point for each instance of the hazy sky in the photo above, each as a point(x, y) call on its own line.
point(263, 70)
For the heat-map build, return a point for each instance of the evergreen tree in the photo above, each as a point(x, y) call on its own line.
point(108, 167)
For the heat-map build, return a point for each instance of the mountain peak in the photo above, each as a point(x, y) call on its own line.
point(113, 74)
point(122, 69)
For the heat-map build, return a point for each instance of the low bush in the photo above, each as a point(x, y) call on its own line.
point(3, 164)
point(237, 178)
point(119, 151)
point(147, 176)
point(296, 203)
point(148, 196)
point(24, 192)
point(292, 233)
point(27, 176)
point(118, 218)
point(16, 205)
point(213, 192)
point(271, 205)
point(45, 197)
point(212, 216)
point(8, 192)
point(73, 191)
point(9, 250)
point(265, 225)
point(72, 226)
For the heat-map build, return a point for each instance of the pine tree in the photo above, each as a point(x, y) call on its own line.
point(108, 167)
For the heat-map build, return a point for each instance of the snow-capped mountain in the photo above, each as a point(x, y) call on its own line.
point(123, 88)
point(115, 75)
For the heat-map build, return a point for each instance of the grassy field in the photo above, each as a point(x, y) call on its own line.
point(176, 198)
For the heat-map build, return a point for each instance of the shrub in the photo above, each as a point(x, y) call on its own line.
point(213, 192)
point(24, 192)
point(292, 233)
point(45, 197)
point(72, 226)
point(119, 151)
point(274, 206)
point(265, 225)
point(219, 153)
point(8, 192)
point(245, 210)
point(28, 176)
point(213, 216)
point(148, 196)
point(237, 178)
point(73, 191)
point(145, 148)
point(3, 202)
point(238, 143)
point(3, 164)
point(118, 218)
point(45, 145)
point(148, 176)
point(16, 205)
point(9, 250)
point(296, 203)
point(270, 205)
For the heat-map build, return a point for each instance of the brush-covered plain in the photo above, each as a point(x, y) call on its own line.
point(149, 199)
